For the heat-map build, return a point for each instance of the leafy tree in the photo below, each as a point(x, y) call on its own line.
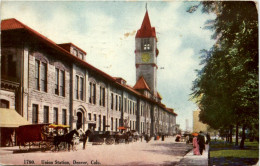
point(227, 85)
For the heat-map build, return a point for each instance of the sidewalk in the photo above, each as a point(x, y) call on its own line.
point(193, 160)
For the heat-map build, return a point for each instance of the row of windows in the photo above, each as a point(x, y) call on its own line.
point(79, 84)
point(92, 93)
point(118, 102)
point(40, 75)
point(8, 65)
point(116, 124)
point(41, 78)
point(142, 127)
point(78, 54)
point(132, 125)
point(113, 128)
point(59, 82)
point(132, 107)
point(41, 84)
point(102, 96)
point(142, 110)
point(46, 114)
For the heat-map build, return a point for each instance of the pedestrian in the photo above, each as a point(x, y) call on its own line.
point(178, 137)
point(208, 138)
point(146, 138)
point(201, 141)
point(187, 138)
point(195, 144)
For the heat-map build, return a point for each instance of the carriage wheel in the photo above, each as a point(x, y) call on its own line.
point(110, 141)
point(62, 146)
point(52, 147)
point(43, 146)
point(23, 147)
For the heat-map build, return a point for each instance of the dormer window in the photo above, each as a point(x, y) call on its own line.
point(75, 52)
point(146, 46)
point(80, 55)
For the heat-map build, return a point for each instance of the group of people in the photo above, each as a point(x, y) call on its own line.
point(199, 143)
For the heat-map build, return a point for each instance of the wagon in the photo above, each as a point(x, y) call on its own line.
point(33, 135)
point(39, 136)
point(99, 137)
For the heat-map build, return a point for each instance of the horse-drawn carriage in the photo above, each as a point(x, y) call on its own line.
point(99, 137)
point(109, 137)
point(44, 136)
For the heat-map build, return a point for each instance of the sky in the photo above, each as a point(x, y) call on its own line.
point(106, 31)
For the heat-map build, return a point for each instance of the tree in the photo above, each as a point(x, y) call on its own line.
point(228, 82)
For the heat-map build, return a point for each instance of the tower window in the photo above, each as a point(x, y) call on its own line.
point(146, 46)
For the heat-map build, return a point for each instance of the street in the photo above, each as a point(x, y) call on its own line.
point(158, 152)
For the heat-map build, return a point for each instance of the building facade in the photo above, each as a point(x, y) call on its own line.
point(52, 83)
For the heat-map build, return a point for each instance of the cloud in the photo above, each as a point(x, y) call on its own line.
point(130, 34)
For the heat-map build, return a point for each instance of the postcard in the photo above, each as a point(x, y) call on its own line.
point(127, 82)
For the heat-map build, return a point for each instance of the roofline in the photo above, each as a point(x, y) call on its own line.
point(73, 46)
point(80, 61)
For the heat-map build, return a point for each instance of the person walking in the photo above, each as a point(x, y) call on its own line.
point(201, 141)
point(163, 137)
point(141, 136)
point(195, 144)
point(208, 138)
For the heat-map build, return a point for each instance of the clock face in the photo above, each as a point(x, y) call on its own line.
point(146, 57)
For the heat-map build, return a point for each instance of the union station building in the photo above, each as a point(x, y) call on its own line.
point(46, 82)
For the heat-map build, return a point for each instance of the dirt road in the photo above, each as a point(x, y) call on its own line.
point(158, 152)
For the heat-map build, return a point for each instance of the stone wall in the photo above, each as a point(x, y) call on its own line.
point(49, 98)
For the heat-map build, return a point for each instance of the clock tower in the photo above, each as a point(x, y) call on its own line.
point(146, 54)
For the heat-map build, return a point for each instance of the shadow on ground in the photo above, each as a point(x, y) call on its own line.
point(175, 149)
point(232, 161)
point(165, 163)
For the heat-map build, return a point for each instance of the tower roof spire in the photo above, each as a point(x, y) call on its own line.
point(146, 29)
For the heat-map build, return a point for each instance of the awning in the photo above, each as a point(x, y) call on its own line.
point(121, 128)
point(58, 126)
point(10, 118)
point(91, 122)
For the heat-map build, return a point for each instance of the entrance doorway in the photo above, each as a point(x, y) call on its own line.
point(80, 120)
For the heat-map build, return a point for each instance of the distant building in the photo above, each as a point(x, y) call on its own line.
point(47, 82)
point(187, 124)
point(197, 125)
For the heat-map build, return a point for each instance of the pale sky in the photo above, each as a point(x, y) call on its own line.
point(106, 31)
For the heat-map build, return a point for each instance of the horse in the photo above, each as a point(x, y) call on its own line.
point(147, 138)
point(136, 136)
point(67, 138)
point(85, 137)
